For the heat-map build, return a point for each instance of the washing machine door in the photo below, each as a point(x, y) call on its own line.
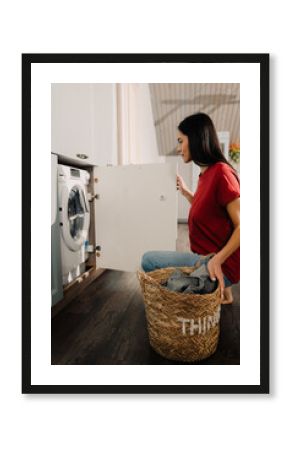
point(74, 216)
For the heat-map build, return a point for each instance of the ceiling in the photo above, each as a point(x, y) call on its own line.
point(172, 102)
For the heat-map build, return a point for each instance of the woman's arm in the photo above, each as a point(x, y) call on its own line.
point(233, 243)
point(215, 263)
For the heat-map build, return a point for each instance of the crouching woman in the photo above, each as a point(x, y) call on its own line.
point(214, 216)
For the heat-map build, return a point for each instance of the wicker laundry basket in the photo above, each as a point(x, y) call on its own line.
point(182, 327)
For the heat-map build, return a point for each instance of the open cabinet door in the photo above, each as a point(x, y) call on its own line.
point(135, 211)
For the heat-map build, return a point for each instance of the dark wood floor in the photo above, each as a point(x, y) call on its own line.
point(108, 326)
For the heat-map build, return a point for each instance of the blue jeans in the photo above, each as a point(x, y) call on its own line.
point(160, 259)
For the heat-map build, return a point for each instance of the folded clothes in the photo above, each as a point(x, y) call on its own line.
point(197, 282)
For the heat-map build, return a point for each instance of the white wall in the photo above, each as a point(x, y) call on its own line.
point(175, 421)
point(146, 128)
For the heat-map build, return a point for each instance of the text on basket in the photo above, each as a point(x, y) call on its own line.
point(200, 325)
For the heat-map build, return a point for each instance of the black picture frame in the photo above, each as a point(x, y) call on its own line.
point(263, 61)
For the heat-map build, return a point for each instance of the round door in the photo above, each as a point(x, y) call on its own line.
point(74, 216)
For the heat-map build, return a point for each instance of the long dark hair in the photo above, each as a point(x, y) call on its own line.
point(204, 146)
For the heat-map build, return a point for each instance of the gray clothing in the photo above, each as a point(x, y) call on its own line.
point(197, 282)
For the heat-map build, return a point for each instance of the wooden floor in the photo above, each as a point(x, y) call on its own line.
point(107, 325)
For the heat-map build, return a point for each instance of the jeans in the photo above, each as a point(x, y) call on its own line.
point(160, 259)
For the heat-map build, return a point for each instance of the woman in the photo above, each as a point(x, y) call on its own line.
point(214, 217)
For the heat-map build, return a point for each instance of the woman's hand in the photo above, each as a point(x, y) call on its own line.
point(181, 186)
point(214, 268)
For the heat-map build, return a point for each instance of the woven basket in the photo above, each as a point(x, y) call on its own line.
point(182, 327)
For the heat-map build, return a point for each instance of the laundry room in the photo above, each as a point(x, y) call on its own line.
point(123, 184)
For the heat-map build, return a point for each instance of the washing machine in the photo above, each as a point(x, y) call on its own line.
point(74, 220)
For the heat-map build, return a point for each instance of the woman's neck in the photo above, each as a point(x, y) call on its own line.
point(203, 169)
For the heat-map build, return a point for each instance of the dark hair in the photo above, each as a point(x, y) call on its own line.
point(204, 146)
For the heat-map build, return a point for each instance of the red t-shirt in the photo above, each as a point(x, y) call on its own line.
point(210, 226)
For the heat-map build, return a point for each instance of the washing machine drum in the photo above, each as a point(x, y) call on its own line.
point(75, 217)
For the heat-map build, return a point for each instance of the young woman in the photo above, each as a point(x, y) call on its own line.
point(214, 217)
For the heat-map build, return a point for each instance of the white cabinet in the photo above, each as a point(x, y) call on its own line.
point(71, 120)
point(83, 125)
point(104, 124)
point(56, 275)
point(135, 211)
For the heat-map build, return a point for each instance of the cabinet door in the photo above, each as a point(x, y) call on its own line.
point(83, 122)
point(136, 211)
point(72, 120)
